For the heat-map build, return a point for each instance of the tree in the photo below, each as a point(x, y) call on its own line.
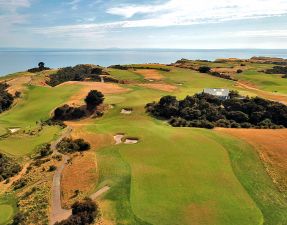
point(94, 99)
point(41, 65)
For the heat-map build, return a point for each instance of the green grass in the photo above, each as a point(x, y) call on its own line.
point(251, 173)
point(172, 176)
point(36, 105)
point(267, 82)
point(125, 75)
point(20, 145)
point(7, 209)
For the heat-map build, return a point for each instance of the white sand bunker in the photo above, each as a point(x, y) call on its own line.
point(14, 130)
point(126, 111)
point(130, 141)
point(118, 138)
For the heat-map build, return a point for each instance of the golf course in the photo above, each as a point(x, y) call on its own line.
point(154, 173)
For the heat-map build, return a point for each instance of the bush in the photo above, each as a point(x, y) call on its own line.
point(8, 167)
point(277, 70)
point(204, 69)
point(19, 184)
point(94, 99)
point(239, 71)
point(83, 213)
point(76, 73)
point(204, 110)
point(45, 150)
point(69, 145)
point(6, 99)
point(52, 168)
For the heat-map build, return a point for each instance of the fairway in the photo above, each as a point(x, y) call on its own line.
point(20, 145)
point(176, 172)
point(37, 104)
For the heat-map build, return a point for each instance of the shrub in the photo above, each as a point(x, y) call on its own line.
point(94, 99)
point(204, 69)
point(8, 167)
point(45, 150)
point(83, 213)
point(6, 99)
point(69, 145)
point(239, 71)
point(19, 184)
point(52, 168)
point(204, 110)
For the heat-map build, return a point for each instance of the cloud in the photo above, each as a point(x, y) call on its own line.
point(74, 4)
point(13, 5)
point(185, 12)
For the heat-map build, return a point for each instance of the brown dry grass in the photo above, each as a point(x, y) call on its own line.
point(149, 74)
point(18, 84)
point(105, 88)
point(161, 87)
point(261, 93)
point(80, 175)
point(271, 146)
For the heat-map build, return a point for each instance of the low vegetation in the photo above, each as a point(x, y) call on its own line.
point(66, 112)
point(69, 145)
point(41, 67)
point(76, 73)
point(6, 99)
point(278, 70)
point(83, 213)
point(8, 167)
point(207, 111)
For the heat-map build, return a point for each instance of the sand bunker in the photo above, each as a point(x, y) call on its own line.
point(14, 130)
point(150, 74)
point(18, 84)
point(161, 87)
point(126, 111)
point(130, 141)
point(118, 138)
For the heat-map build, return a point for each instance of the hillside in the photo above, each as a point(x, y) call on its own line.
point(137, 167)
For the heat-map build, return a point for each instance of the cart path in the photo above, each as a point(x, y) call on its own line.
point(57, 212)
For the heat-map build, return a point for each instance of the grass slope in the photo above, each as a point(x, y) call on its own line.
point(173, 176)
point(37, 104)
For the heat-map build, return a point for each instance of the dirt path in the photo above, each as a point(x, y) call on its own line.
point(99, 192)
point(271, 96)
point(57, 212)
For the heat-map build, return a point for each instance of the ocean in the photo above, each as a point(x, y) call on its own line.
point(15, 60)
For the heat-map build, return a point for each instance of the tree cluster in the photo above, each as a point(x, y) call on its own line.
point(6, 99)
point(207, 111)
point(68, 145)
point(66, 112)
point(41, 67)
point(8, 167)
point(278, 70)
point(83, 213)
point(76, 73)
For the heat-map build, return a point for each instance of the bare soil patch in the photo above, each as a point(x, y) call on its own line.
point(150, 74)
point(78, 176)
point(271, 146)
point(161, 87)
point(105, 88)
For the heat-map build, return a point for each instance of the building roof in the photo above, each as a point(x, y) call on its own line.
point(221, 92)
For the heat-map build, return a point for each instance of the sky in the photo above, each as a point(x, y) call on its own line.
point(178, 24)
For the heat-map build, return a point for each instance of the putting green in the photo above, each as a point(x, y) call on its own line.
point(6, 213)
